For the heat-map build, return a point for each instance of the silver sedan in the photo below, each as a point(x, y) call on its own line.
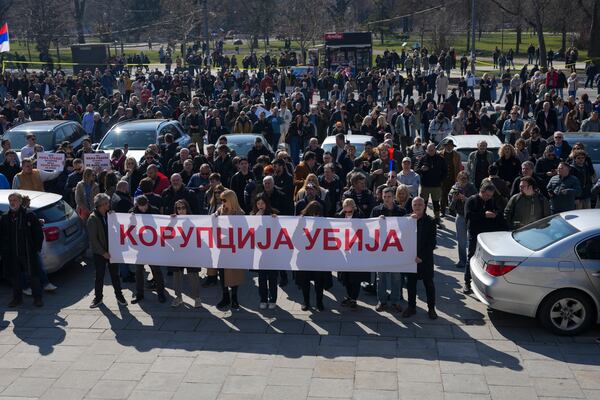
point(548, 270)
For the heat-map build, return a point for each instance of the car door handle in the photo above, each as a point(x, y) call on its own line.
point(596, 274)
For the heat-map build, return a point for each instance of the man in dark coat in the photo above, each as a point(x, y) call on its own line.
point(22, 239)
point(481, 215)
point(177, 191)
point(143, 206)
point(426, 242)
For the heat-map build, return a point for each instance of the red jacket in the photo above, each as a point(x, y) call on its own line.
point(162, 182)
point(551, 79)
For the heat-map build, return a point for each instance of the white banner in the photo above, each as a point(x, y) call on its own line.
point(50, 161)
point(253, 242)
point(97, 161)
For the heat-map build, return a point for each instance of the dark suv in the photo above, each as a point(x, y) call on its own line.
point(49, 134)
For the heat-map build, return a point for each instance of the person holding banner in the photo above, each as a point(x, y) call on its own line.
point(230, 278)
point(426, 242)
point(97, 227)
point(352, 280)
point(143, 206)
point(267, 279)
point(321, 279)
point(182, 207)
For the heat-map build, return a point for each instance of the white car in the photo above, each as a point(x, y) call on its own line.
point(466, 144)
point(357, 140)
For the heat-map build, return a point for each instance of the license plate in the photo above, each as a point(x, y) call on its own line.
point(71, 230)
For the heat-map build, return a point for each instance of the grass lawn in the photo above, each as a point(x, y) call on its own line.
point(485, 45)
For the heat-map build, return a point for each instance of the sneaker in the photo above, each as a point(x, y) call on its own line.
point(137, 299)
point(121, 300)
point(96, 303)
point(272, 306)
point(49, 287)
point(467, 289)
point(305, 307)
point(380, 306)
point(353, 305)
point(27, 292)
point(38, 302)
point(15, 302)
point(409, 312)
point(432, 314)
point(262, 306)
point(177, 301)
point(197, 303)
point(235, 305)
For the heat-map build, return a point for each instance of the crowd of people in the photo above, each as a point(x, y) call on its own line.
point(397, 173)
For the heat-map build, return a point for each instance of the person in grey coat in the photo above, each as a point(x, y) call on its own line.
point(563, 188)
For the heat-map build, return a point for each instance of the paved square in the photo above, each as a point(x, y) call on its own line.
point(153, 351)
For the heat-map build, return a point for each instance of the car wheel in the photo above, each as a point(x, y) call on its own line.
point(567, 312)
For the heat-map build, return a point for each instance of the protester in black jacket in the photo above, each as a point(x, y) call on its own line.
point(240, 180)
point(362, 196)
point(177, 191)
point(426, 242)
point(481, 215)
point(22, 238)
point(433, 169)
point(143, 206)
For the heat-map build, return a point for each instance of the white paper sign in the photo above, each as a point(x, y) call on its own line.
point(47, 161)
point(97, 161)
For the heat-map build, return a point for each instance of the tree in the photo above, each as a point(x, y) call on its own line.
point(79, 11)
point(532, 12)
point(337, 11)
point(592, 13)
point(301, 23)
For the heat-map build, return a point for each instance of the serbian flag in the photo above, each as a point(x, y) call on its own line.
point(4, 42)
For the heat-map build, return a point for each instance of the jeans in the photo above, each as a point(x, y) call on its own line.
point(267, 286)
point(461, 239)
point(471, 253)
point(391, 281)
point(19, 268)
point(157, 276)
point(295, 150)
point(505, 90)
point(412, 291)
point(113, 269)
point(573, 93)
point(560, 92)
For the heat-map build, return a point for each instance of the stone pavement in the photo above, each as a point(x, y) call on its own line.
point(151, 351)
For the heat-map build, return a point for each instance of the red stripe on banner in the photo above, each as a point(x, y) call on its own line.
point(4, 29)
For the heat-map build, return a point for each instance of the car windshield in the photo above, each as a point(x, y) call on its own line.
point(136, 139)
point(54, 212)
point(327, 147)
point(18, 141)
point(240, 148)
point(544, 232)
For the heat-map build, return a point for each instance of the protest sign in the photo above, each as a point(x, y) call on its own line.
point(257, 242)
point(97, 161)
point(50, 161)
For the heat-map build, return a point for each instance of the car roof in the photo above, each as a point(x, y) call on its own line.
point(241, 137)
point(38, 199)
point(582, 137)
point(39, 126)
point(350, 138)
point(470, 141)
point(583, 220)
point(139, 124)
